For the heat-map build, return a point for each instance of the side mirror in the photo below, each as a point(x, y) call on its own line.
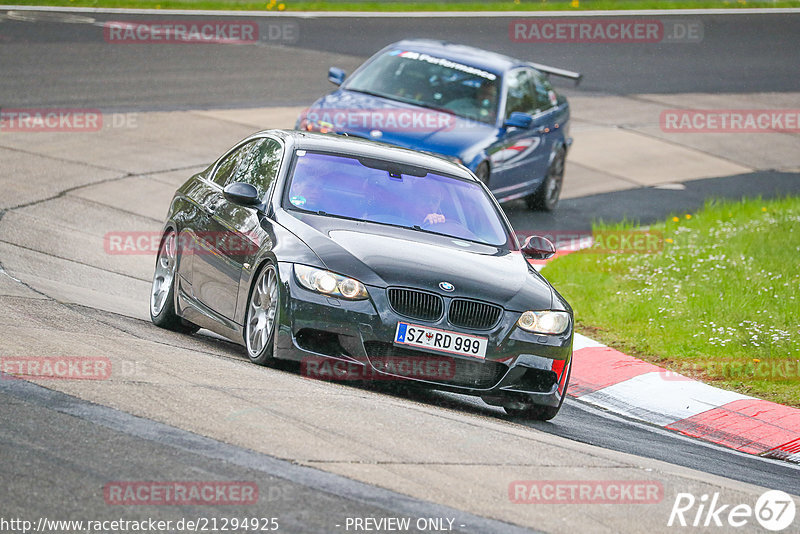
point(537, 247)
point(517, 119)
point(242, 194)
point(336, 75)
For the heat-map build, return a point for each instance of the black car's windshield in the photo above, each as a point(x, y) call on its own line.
point(383, 192)
point(431, 82)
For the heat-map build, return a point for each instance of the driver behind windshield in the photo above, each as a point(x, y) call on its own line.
point(481, 104)
point(428, 208)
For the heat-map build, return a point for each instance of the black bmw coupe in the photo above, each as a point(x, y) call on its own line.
point(364, 261)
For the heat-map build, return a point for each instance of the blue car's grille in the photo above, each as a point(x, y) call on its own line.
point(416, 304)
point(473, 314)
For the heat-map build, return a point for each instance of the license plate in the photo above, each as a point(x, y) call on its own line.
point(440, 340)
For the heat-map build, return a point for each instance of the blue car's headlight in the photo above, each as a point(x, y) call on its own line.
point(329, 283)
point(314, 126)
point(544, 322)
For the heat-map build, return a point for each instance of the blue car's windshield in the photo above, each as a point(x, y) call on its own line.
point(383, 192)
point(432, 82)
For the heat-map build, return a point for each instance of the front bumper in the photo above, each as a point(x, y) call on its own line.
point(353, 340)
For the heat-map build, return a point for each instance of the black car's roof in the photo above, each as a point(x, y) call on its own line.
point(362, 147)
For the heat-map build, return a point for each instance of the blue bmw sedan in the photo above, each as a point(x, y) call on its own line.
point(498, 116)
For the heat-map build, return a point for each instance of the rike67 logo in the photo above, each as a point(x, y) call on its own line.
point(774, 510)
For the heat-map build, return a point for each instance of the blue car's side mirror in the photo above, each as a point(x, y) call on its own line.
point(517, 119)
point(336, 75)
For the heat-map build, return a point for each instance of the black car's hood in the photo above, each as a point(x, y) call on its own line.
point(382, 256)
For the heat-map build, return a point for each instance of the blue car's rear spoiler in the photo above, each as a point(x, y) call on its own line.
point(575, 76)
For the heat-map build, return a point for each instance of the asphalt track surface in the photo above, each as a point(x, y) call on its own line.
point(86, 445)
point(55, 64)
point(51, 436)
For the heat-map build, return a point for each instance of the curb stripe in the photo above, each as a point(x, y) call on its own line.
point(612, 380)
point(661, 398)
point(580, 341)
point(755, 426)
point(596, 368)
point(788, 451)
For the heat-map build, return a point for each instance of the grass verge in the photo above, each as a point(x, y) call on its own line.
point(368, 5)
point(719, 302)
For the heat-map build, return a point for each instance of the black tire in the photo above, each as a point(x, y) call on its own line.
point(537, 412)
point(162, 291)
point(261, 350)
point(546, 197)
point(482, 172)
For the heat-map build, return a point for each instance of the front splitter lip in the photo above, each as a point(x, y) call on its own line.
point(505, 383)
point(502, 388)
point(373, 320)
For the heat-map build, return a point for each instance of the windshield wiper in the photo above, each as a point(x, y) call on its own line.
point(404, 100)
point(435, 108)
point(370, 93)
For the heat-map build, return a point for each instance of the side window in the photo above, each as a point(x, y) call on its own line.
point(545, 97)
point(260, 167)
point(520, 95)
point(229, 165)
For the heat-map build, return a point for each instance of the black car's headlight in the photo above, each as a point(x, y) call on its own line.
point(329, 283)
point(544, 322)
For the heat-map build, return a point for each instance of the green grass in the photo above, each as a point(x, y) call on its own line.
point(720, 302)
point(369, 5)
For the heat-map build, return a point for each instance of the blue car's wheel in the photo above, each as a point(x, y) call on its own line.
point(546, 197)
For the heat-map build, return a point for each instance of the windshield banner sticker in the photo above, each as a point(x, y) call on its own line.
point(444, 63)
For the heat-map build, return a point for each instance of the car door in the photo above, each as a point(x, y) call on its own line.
point(230, 234)
point(549, 117)
point(253, 229)
point(204, 194)
point(523, 155)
